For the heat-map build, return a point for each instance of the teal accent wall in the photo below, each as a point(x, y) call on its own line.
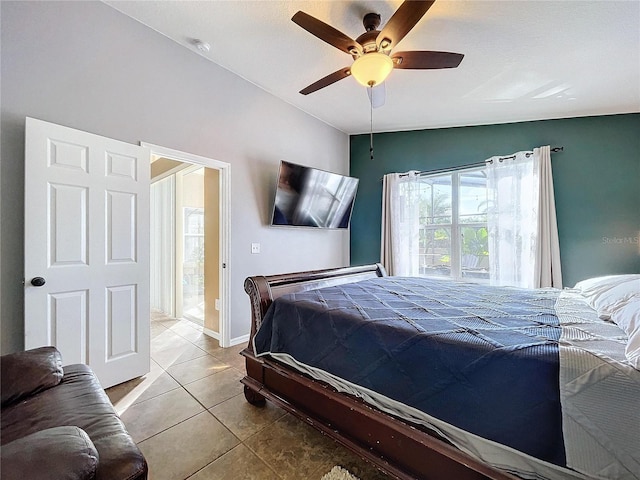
point(596, 182)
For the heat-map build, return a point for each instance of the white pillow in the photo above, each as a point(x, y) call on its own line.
point(627, 317)
point(607, 302)
point(605, 293)
point(591, 285)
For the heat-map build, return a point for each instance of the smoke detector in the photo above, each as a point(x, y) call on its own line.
point(204, 47)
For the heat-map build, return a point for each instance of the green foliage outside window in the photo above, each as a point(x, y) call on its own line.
point(475, 241)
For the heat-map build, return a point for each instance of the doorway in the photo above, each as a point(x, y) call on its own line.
point(189, 246)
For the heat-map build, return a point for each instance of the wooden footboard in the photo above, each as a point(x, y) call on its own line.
point(402, 450)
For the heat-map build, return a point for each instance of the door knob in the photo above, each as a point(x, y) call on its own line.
point(37, 281)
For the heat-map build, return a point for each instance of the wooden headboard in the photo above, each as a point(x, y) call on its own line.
point(263, 290)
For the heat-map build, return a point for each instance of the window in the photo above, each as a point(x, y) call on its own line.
point(453, 239)
point(193, 255)
point(494, 223)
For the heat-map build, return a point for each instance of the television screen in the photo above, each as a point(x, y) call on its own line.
point(309, 197)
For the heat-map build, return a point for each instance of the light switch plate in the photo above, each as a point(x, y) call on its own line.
point(255, 248)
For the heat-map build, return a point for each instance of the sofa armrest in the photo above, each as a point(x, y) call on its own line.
point(60, 453)
point(26, 373)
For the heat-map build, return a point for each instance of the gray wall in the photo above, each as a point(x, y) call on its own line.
point(86, 66)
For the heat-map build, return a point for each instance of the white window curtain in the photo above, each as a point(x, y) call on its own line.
point(400, 224)
point(524, 249)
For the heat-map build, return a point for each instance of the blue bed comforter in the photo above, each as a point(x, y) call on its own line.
point(482, 358)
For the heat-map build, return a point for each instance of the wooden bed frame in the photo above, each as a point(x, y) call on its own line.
point(400, 449)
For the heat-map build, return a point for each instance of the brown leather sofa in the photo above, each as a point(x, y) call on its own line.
point(58, 423)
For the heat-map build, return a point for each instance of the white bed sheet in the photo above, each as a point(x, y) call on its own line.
point(600, 393)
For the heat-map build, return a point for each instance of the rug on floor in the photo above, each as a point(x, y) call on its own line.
point(338, 473)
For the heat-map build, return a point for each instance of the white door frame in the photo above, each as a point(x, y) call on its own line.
point(225, 225)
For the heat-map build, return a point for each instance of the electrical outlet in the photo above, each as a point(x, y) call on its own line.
point(255, 248)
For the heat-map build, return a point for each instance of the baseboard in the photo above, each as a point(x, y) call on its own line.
point(232, 342)
point(211, 333)
point(239, 340)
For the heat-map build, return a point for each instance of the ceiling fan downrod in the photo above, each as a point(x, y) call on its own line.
point(371, 21)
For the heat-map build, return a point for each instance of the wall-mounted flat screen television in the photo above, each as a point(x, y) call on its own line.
point(309, 197)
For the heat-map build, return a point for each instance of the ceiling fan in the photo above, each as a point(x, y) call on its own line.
point(371, 51)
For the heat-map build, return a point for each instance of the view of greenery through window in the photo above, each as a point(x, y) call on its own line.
point(453, 225)
point(193, 261)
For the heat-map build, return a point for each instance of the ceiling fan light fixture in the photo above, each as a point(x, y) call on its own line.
point(372, 68)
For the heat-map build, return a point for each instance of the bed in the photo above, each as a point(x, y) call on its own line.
point(471, 397)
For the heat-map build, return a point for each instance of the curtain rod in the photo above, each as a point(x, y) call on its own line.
point(476, 164)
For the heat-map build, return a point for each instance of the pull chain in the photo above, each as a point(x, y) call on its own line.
point(371, 124)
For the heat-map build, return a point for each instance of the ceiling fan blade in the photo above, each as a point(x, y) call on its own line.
point(377, 95)
point(327, 33)
point(423, 59)
point(401, 22)
point(326, 81)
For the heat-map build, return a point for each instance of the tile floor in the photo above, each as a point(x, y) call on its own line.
point(189, 417)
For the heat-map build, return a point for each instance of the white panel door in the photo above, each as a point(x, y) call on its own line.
point(87, 249)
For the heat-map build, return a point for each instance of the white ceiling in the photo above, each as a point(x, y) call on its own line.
point(524, 60)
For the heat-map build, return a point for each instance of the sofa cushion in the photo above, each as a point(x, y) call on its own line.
point(26, 373)
point(61, 453)
point(78, 400)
